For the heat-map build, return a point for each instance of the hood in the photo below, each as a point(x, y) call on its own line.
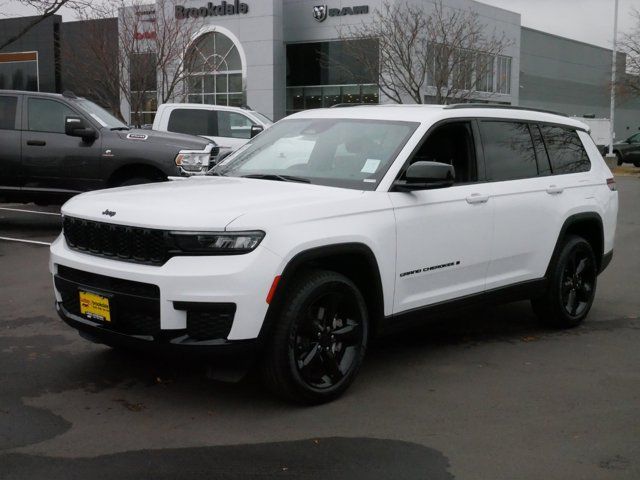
point(198, 203)
point(171, 140)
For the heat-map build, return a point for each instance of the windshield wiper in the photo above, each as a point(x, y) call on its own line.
point(280, 178)
point(119, 128)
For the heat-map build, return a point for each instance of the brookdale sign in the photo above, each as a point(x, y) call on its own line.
point(211, 10)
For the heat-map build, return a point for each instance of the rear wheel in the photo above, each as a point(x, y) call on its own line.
point(572, 285)
point(319, 341)
point(619, 158)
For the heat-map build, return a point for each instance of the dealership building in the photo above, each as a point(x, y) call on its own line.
point(275, 56)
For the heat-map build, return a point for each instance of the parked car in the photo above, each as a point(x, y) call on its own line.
point(335, 225)
point(55, 146)
point(627, 151)
point(228, 127)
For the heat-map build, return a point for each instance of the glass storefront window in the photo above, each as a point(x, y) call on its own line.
point(370, 94)
point(304, 98)
point(215, 71)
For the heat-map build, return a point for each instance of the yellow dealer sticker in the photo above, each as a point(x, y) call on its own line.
point(95, 307)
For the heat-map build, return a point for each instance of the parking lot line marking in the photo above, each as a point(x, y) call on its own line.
point(35, 242)
point(28, 211)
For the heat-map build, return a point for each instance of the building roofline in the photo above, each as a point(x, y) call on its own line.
point(568, 39)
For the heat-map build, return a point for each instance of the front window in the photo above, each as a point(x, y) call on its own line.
point(346, 153)
point(100, 115)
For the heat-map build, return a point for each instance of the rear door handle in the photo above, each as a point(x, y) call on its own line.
point(36, 143)
point(477, 198)
point(554, 190)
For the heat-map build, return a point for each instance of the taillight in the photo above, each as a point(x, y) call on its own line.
point(611, 183)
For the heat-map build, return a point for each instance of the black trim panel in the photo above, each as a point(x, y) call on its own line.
point(606, 260)
point(170, 341)
point(417, 316)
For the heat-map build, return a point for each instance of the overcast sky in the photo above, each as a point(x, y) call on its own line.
point(589, 21)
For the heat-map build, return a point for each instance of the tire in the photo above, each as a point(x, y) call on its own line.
point(572, 285)
point(636, 164)
point(135, 181)
point(319, 339)
point(619, 157)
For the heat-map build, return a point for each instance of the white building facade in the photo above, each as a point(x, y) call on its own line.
point(264, 53)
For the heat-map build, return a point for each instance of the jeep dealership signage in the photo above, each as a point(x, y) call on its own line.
point(321, 12)
point(211, 10)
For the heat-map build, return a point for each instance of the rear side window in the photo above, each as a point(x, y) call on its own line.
point(47, 115)
point(508, 150)
point(8, 113)
point(565, 149)
point(193, 122)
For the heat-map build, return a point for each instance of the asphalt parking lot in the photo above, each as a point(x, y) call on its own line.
point(486, 394)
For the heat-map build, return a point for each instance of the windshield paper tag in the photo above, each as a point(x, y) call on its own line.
point(370, 166)
point(98, 119)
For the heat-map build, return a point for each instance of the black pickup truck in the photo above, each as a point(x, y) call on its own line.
point(54, 146)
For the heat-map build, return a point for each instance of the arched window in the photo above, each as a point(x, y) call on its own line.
point(214, 71)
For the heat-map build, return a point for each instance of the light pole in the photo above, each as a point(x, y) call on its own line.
point(613, 78)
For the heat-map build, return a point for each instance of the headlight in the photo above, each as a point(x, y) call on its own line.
point(218, 243)
point(193, 161)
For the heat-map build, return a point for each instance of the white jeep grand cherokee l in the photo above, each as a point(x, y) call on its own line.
point(337, 224)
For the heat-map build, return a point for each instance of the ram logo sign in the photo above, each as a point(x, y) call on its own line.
point(321, 12)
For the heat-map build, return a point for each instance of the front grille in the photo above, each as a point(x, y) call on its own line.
point(135, 306)
point(131, 244)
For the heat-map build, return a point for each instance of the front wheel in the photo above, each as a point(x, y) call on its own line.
point(572, 285)
point(135, 181)
point(319, 340)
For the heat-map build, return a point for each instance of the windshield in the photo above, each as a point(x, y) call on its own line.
point(100, 115)
point(263, 118)
point(347, 153)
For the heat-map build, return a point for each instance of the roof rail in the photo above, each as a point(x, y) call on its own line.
point(457, 106)
point(342, 105)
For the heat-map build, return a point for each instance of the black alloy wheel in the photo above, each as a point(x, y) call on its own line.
point(319, 340)
point(571, 285)
point(578, 282)
point(328, 339)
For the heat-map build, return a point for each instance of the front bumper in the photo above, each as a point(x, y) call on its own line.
point(164, 297)
point(167, 342)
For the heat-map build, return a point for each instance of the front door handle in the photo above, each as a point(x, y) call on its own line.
point(477, 198)
point(554, 190)
point(36, 143)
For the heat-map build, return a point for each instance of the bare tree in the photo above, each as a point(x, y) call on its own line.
point(44, 9)
point(630, 44)
point(152, 51)
point(443, 52)
point(90, 62)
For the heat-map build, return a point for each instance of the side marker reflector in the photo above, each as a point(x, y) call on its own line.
point(272, 290)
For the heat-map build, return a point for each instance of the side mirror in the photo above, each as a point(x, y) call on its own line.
point(77, 127)
point(426, 176)
point(256, 129)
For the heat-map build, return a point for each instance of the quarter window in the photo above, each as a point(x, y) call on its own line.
point(508, 150)
point(565, 149)
point(8, 113)
point(47, 115)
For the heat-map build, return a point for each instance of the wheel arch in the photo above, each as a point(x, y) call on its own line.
point(589, 226)
point(355, 260)
point(137, 169)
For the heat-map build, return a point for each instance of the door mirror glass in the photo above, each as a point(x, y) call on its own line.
point(77, 127)
point(256, 129)
point(425, 175)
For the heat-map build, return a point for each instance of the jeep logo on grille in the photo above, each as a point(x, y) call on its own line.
point(108, 213)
